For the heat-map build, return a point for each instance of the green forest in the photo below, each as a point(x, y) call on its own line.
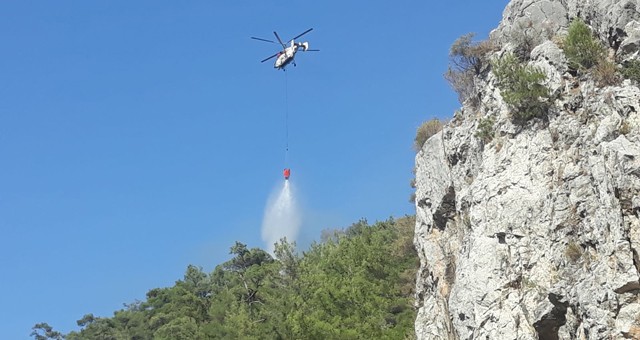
point(356, 283)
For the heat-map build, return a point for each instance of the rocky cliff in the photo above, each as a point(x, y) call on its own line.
point(535, 233)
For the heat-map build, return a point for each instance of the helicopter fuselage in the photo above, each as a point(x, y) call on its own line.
point(286, 56)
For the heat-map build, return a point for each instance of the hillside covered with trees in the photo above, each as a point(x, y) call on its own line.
point(355, 283)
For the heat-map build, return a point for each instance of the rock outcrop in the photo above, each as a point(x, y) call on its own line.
point(535, 234)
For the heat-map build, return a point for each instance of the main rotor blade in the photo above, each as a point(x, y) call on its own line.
point(271, 41)
point(262, 61)
point(310, 50)
point(301, 34)
point(280, 40)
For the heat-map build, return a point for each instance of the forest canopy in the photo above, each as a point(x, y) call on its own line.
point(356, 283)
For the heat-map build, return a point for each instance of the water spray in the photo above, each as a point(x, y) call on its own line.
point(282, 216)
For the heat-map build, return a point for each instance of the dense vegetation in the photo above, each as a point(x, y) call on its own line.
point(522, 88)
point(356, 284)
point(582, 49)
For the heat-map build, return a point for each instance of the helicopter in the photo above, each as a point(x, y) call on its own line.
point(288, 53)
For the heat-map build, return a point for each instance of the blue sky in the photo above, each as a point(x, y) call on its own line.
point(139, 137)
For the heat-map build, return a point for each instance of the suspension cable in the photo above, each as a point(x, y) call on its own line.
point(286, 119)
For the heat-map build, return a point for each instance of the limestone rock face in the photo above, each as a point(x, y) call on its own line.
point(535, 234)
point(608, 18)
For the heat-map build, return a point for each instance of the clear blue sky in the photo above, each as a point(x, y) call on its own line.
point(139, 137)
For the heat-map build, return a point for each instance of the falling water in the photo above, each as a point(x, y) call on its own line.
point(282, 217)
